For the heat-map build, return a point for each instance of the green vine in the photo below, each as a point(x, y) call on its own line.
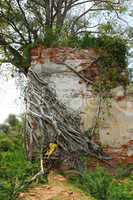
point(112, 64)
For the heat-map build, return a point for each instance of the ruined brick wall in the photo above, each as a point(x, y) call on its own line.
point(72, 90)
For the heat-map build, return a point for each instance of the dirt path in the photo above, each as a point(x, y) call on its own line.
point(57, 189)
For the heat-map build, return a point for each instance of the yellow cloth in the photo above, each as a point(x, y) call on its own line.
point(52, 148)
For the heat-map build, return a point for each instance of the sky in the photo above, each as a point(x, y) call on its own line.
point(11, 101)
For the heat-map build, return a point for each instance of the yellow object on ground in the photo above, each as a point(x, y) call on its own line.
point(52, 149)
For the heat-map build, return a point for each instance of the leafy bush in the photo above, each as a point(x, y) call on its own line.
point(95, 183)
point(120, 190)
point(12, 120)
point(103, 186)
point(15, 170)
point(4, 128)
point(5, 143)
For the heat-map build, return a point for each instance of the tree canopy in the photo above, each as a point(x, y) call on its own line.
point(23, 22)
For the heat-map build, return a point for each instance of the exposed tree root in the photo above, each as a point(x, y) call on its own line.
point(49, 121)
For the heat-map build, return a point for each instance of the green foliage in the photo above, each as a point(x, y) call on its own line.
point(103, 186)
point(26, 51)
point(120, 190)
point(106, 28)
point(113, 53)
point(4, 128)
point(94, 183)
point(70, 41)
point(115, 49)
point(6, 143)
point(124, 171)
point(12, 120)
point(112, 64)
point(24, 23)
point(15, 170)
point(88, 41)
point(51, 38)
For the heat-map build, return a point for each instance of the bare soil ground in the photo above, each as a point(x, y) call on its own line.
point(57, 189)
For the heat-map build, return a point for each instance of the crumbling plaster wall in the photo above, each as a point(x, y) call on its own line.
point(52, 63)
point(117, 127)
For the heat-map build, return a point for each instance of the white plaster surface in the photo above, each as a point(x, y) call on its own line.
point(116, 129)
point(68, 89)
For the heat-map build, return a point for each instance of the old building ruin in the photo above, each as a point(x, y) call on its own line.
point(68, 73)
